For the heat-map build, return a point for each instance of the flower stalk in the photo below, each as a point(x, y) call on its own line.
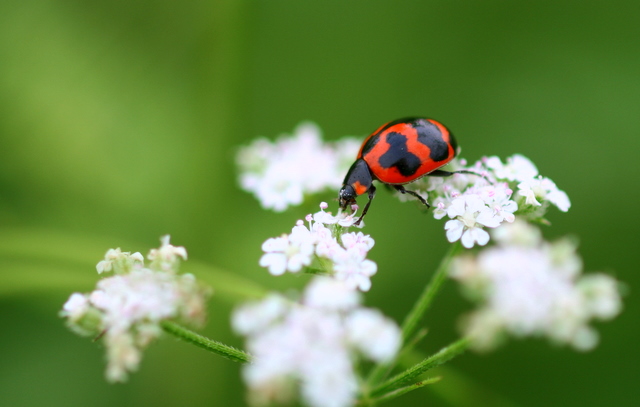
point(404, 390)
point(431, 290)
point(398, 381)
point(203, 342)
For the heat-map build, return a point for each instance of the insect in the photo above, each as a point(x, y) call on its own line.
point(397, 153)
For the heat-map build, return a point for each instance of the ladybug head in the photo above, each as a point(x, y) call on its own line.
point(357, 182)
point(347, 196)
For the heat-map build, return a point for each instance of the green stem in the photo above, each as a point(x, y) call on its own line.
point(412, 373)
point(403, 390)
point(205, 343)
point(417, 312)
point(422, 305)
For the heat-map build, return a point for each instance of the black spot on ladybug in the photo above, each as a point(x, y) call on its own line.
point(430, 136)
point(398, 155)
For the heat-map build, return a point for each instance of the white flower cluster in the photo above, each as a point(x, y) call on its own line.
point(486, 200)
point(322, 240)
point(280, 173)
point(125, 310)
point(312, 343)
point(529, 287)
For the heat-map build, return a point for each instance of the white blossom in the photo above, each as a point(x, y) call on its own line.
point(288, 252)
point(357, 241)
point(344, 219)
point(125, 310)
point(541, 188)
point(351, 266)
point(517, 168)
point(322, 241)
point(373, 334)
point(330, 294)
point(486, 199)
point(528, 287)
point(167, 256)
point(469, 215)
point(280, 173)
point(254, 317)
point(123, 356)
point(76, 306)
point(312, 344)
point(119, 261)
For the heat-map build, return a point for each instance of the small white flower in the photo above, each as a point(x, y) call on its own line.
point(358, 241)
point(374, 334)
point(122, 356)
point(602, 293)
point(330, 294)
point(352, 268)
point(525, 189)
point(119, 261)
point(331, 383)
point(166, 257)
point(544, 189)
point(109, 258)
point(275, 257)
point(253, 317)
point(469, 215)
point(560, 199)
point(344, 219)
point(327, 246)
point(440, 208)
point(467, 236)
point(517, 168)
point(288, 252)
point(76, 306)
point(518, 233)
point(498, 198)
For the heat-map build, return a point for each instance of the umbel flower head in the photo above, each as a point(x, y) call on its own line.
point(312, 343)
point(280, 173)
point(125, 310)
point(499, 193)
point(325, 243)
point(528, 287)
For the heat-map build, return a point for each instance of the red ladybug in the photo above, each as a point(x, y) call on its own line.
point(397, 153)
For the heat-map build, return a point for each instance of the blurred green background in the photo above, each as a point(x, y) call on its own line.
point(119, 121)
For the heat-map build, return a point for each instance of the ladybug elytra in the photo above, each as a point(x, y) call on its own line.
point(397, 153)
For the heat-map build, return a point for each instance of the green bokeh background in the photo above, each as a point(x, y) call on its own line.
point(119, 121)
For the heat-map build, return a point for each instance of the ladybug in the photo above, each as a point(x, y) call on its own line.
point(397, 153)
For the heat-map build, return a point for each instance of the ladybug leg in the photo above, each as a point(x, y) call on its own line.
point(372, 193)
point(442, 173)
point(401, 189)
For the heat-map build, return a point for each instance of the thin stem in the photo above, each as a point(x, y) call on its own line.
point(205, 343)
point(444, 355)
point(403, 390)
point(422, 305)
